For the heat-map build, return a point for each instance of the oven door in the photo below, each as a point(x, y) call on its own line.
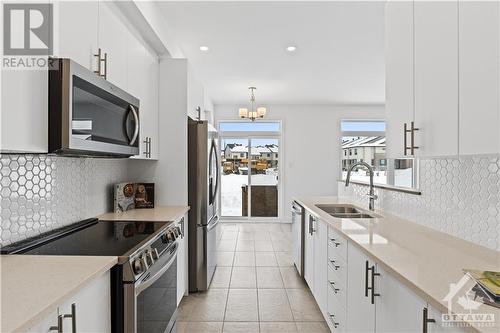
point(156, 297)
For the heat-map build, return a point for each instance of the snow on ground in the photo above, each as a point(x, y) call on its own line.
point(231, 192)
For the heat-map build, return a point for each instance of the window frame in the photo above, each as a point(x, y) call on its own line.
point(415, 176)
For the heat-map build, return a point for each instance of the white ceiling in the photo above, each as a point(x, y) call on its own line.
point(339, 57)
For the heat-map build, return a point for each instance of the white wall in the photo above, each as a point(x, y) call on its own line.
point(170, 172)
point(311, 143)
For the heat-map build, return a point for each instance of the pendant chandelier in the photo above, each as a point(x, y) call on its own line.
point(253, 113)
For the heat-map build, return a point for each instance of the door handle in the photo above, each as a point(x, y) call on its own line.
point(412, 146)
point(367, 270)
point(426, 320)
point(59, 328)
point(136, 127)
point(73, 317)
point(373, 284)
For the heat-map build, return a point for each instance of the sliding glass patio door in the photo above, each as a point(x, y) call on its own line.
point(250, 173)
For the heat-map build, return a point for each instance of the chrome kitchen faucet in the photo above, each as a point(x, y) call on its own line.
point(371, 195)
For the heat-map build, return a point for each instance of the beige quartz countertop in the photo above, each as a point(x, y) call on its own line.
point(34, 286)
point(157, 214)
point(424, 259)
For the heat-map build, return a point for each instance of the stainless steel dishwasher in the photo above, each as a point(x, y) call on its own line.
point(298, 237)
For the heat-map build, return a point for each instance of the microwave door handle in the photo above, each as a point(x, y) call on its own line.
point(136, 129)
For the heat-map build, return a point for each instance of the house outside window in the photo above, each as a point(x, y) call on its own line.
point(366, 139)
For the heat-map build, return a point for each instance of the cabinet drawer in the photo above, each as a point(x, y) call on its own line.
point(337, 272)
point(337, 246)
point(337, 315)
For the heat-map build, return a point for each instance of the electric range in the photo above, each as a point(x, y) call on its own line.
point(143, 284)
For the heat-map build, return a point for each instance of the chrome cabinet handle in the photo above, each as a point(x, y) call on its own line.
point(336, 267)
point(412, 131)
point(136, 128)
point(98, 56)
point(426, 320)
point(332, 318)
point(333, 240)
point(149, 147)
point(101, 60)
point(332, 284)
point(59, 327)
point(105, 75)
point(147, 142)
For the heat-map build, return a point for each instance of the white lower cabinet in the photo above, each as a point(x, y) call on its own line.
point(88, 311)
point(355, 293)
point(320, 234)
point(398, 309)
point(358, 295)
point(45, 324)
point(183, 262)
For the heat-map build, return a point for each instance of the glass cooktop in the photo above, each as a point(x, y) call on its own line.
point(89, 237)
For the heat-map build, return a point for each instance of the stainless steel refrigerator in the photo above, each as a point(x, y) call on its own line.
point(203, 198)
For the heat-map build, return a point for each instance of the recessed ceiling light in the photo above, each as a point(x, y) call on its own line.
point(291, 48)
point(204, 48)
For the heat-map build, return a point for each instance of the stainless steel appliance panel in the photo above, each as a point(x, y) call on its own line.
point(298, 230)
point(151, 302)
point(88, 115)
point(203, 180)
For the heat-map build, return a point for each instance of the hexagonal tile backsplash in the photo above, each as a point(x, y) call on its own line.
point(42, 192)
point(459, 196)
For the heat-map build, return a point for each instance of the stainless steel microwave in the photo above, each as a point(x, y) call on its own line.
point(88, 115)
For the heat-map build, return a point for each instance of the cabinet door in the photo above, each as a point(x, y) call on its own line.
point(438, 327)
point(24, 123)
point(398, 308)
point(399, 73)
point(309, 253)
point(114, 38)
point(479, 37)
point(436, 77)
point(78, 22)
point(92, 305)
point(360, 311)
point(320, 290)
point(149, 103)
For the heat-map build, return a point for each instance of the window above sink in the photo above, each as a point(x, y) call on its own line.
point(365, 141)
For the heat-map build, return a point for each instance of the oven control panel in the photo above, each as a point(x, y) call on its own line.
point(146, 257)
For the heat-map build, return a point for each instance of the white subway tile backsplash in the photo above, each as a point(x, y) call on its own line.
point(43, 192)
point(459, 196)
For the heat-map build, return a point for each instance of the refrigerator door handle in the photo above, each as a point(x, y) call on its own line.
point(213, 223)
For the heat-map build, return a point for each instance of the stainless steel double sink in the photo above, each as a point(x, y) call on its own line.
point(345, 211)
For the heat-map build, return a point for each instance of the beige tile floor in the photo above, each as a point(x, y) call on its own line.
point(255, 288)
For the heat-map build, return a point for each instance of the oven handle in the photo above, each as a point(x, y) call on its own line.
point(136, 129)
point(143, 286)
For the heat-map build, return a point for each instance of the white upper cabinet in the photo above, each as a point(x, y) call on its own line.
point(114, 40)
point(443, 73)
point(436, 77)
point(77, 23)
point(479, 75)
point(399, 73)
point(24, 123)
